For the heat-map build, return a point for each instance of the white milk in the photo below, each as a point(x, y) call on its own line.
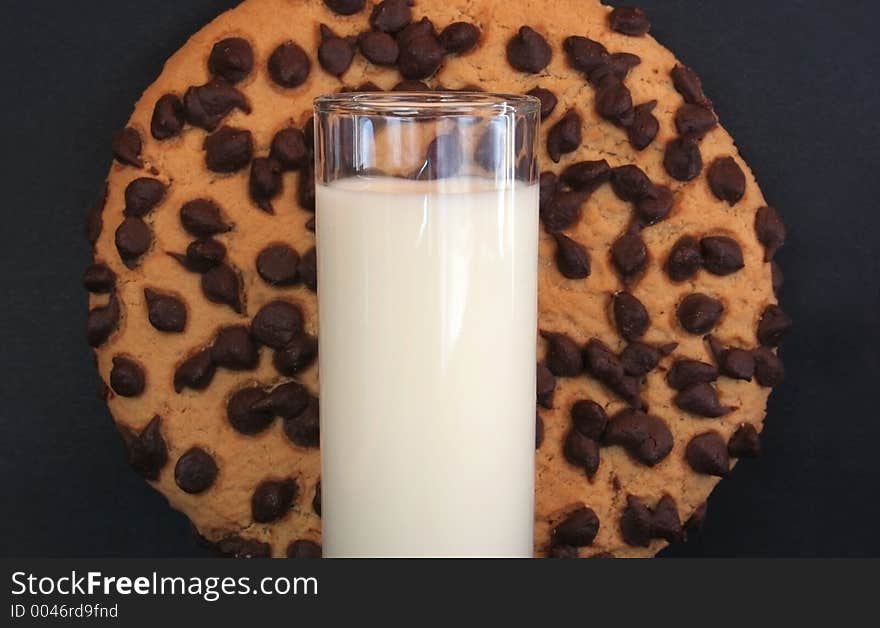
point(427, 318)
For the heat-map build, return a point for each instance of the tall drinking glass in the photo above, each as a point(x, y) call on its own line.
point(427, 230)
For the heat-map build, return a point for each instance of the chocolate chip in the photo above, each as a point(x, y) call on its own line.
point(629, 254)
point(707, 453)
point(563, 355)
point(459, 37)
point(688, 84)
point(307, 271)
point(366, 86)
point(444, 156)
point(584, 55)
point(644, 437)
point(168, 117)
point(695, 120)
point(539, 431)
point(309, 134)
point(289, 149)
point(630, 316)
point(528, 51)
point(562, 551)
point(682, 160)
point(487, 153)
point(732, 362)
point(232, 58)
point(589, 418)
point(696, 521)
point(236, 547)
point(726, 180)
point(564, 136)
point(586, 176)
point(345, 7)
point(127, 146)
point(698, 313)
point(618, 64)
point(127, 377)
point(772, 326)
point(684, 259)
point(548, 100)
point(206, 105)
point(655, 206)
point(629, 21)
point(304, 549)
point(277, 323)
point(334, 53)
point(776, 277)
point(420, 56)
point(630, 183)
point(635, 523)
point(686, 373)
point(601, 361)
point(99, 278)
point(264, 183)
point(146, 452)
point(562, 211)
point(378, 48)
point(133, 239)
point(289, 65)
point(102, 321)
point(572, 259)
point(639, 359)
point(745, 442)
point(203, 217)
point(288, 400)
point(416, 29)
point(721, 255)
point(665, 522)
point(614, 101)
point(581, 452)
point(195, 372)
point(770, 231)
point(277, 265)
point(391, 16)
point(247, 412)
point(272, 499)
point(166, 312)
point(94, 222)
point(316, 500)
point(233, 349)
point(304, 429)
point(546, 385)
point(202, 255)
point(195, 471)
point(578, 529)
point(411, 86)
point(142, 195)
point(547, 187)
point(222, 285)
point(644, 127)
point(305, 187)
point(228, 149)
point(769, 370)
point(297, 355)
point(702, 400)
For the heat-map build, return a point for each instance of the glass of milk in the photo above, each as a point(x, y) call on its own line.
point(427, 232)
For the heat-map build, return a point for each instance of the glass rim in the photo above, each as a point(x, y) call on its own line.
point(406, 104)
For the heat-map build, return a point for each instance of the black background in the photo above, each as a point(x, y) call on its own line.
point(794, 82)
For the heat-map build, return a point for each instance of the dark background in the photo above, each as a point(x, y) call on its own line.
point(794, 82)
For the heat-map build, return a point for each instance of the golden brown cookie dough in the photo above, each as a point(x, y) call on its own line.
point(203, 309)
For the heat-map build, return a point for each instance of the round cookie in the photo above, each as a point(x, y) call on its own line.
point(658, 319)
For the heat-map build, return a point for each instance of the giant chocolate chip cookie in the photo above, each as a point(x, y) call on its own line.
point(658, 321)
